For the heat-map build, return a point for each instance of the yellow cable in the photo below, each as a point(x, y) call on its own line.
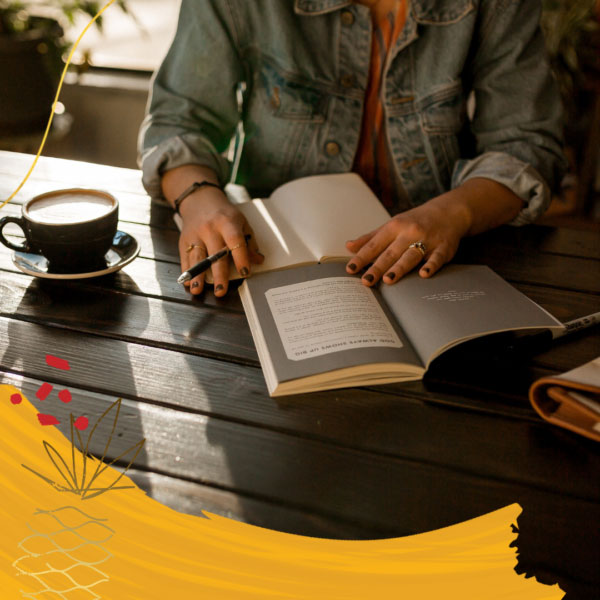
point(62, 77)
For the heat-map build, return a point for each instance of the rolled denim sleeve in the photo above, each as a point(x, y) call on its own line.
point(192, 111)
point(517, 122)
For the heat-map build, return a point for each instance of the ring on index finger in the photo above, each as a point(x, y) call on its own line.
point(420, 246)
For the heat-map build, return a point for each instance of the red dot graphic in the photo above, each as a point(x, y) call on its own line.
point(81, 423)
point(16, 399)
point(57, 363)
point(43, 391)
point(47, 419)
point(65, 395)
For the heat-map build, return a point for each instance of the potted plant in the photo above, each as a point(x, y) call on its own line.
point(31, 50)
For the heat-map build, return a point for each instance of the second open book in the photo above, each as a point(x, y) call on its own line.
point(316, 327)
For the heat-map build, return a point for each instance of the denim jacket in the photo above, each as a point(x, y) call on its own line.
point(305, 67)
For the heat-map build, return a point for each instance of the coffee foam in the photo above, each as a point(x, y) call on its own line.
point(69, 208)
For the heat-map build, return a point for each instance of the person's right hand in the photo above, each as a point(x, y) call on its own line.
point(210, 223)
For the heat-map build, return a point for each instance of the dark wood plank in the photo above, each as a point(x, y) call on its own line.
point(522, 263)
point(191, 327)
point(58, 172)
point(564, 305)
point(196, 499)
point(402, 426)
point(149, 278)
point(520, 242)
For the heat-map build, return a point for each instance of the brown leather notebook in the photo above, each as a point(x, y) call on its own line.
point(571, 400)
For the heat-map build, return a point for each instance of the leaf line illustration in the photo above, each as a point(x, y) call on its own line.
point(83, 485)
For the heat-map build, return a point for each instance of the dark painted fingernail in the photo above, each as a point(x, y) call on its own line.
point(369, 277)
point(244, 272)
point(426, 269)
point(195, 284)
point(391, 275)
point(352, 267)
point(219, 287)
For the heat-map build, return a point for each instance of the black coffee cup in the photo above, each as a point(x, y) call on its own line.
point(72, 228)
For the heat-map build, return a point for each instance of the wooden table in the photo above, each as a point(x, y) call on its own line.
point(361, 463)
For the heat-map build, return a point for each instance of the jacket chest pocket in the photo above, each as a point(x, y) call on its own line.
point(441, 12)
point(285, 98)
point(283, 118)
point(444, 111)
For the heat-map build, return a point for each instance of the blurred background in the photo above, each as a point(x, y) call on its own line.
point(104, 95)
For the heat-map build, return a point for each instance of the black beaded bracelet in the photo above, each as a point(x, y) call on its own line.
point(195, 186)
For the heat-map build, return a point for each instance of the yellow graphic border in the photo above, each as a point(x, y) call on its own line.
point(156, 552)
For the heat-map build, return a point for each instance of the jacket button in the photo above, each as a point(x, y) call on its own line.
point(347, 81)
point(275, 100)
point(332, 148)
point(347, 18)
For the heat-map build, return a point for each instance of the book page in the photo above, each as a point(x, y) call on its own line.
point(326, 315)
point(458, 303)
point(328, 210)
point(291, 293)
point(587, 374)
point(277, 240)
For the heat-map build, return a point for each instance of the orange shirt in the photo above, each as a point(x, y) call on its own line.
point(372, 160)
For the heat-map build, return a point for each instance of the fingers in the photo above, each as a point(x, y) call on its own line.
point(409, 259)
point(189, 255)
point(220, 268)
point(209, 230)
point(255, 255)
point(438, 258)
point(355, 245)
point(367, 247)
point(394, 262)
point(427, 235)
point(243, 250)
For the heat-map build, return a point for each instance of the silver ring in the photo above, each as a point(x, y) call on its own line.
point(420, 246)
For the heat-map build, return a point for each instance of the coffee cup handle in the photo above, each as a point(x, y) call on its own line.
point(25, 246)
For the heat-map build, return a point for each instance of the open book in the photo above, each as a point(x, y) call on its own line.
point(316, 327)
point(308, 220)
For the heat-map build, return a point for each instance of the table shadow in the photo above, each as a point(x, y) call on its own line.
point(47, 320)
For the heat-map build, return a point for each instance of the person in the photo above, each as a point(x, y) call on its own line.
point(447, 108)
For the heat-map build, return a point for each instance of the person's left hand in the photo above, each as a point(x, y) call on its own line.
point(439, 225)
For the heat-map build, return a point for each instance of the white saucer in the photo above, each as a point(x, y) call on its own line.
point(123, 250)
